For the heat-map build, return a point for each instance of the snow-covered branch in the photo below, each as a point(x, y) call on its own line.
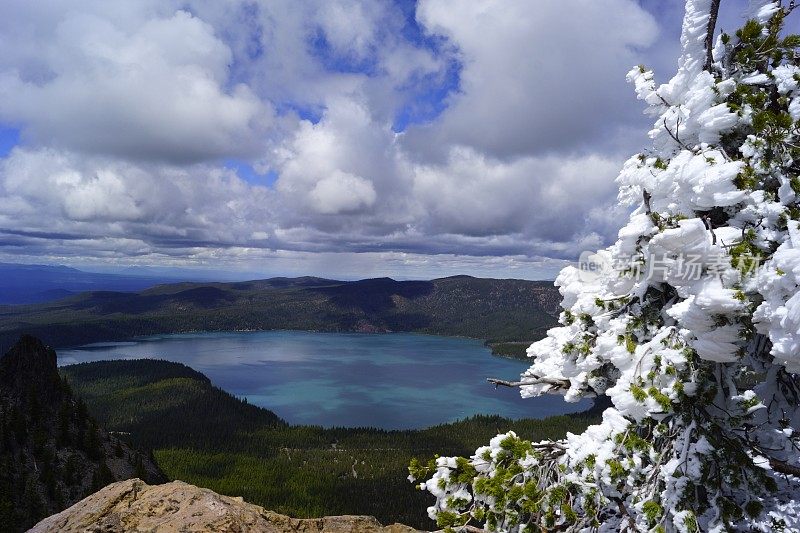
point(691, 328)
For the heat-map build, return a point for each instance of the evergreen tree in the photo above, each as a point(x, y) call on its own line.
point(691, 325)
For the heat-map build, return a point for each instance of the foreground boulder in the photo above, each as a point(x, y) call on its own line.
point(134, 506)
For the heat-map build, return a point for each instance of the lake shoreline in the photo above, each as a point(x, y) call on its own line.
point(487, 342)
point(393, 381)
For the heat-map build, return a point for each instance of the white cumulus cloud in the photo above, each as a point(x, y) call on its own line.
point(514, 119)
point(342, 193)
point(154, 90)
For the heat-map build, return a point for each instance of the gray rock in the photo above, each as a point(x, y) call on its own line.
point(177, 507)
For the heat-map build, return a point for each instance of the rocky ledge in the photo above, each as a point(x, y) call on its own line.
point(135, 506)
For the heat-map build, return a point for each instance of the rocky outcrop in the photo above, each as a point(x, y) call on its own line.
point(134, 506)
point(52, 453)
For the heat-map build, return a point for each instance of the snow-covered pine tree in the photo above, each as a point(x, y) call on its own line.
point(692, 329)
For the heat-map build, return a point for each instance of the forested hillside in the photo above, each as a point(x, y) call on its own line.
point(206, 437)
point(52, 452)
point(490, 309)
point(159, 403)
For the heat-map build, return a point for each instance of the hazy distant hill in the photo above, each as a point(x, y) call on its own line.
point(25, 284)
point(492, 309)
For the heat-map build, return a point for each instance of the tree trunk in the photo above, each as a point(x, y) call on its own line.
point(712, 23)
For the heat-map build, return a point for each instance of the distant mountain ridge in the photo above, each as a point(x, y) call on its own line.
point(490, 309)
point(27, 284)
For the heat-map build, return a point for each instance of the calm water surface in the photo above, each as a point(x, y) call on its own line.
point(393, 381)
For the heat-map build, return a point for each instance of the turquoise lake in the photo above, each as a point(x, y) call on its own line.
point(391, 381)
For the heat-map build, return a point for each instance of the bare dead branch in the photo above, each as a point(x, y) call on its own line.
point(784, 468)
point(624, 511)
point(675, 135)
point(558, 383)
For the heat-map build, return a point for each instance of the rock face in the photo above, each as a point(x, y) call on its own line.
point(134, 506)
point(52, 453)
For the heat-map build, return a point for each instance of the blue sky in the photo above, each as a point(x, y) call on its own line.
point(344, 138)
point(9, 138)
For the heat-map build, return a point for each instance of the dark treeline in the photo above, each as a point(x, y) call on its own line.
point(204, 436)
